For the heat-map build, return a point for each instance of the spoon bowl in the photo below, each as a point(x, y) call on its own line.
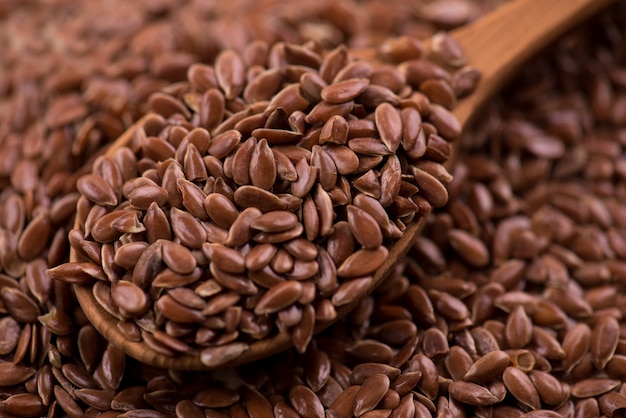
point(496, 45)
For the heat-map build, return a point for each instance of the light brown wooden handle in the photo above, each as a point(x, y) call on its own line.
point(498, 43)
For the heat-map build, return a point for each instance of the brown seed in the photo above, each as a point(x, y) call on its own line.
point(354, 69)
point(448, 306)
point(445, 122)
point(24, 404)
point(311, 86)
point(604, 339)
point(612, 403)
point(13, 374)
point(364, 371)
point(301, 270)
point(548, 387)
point(369, 185)
point(469, 247)
point(445, 48)
point(178, 258)
point(227, 259)
point(593, 387)
point(57, 322)
point(546, 345)
point(285, 168)
point(257, 405)
point(349, 291)
point(439, 92)
point(14, 211)
point(401, 48)
point(522, 359)
point(9, 335)
point(326, 168)
point(278, 297)
point(458, 362)
point(111, 226)
point(192, 198)
point(429, 382)
point(388, 76)
point(521, 387)
point(389, 125)
point(130, 398)
point(317, 372)
point(99, 399)
point(241, 161)
point(263, 86)
point(370, 394)
point(157, 224)
point(324, 210)
point(262, 166)
point(39, 282)
point(302, 249)
point(471, 393)
point(230, 73)
point(175, 311)
point(67, 403)
point(322, 111)
point(363, 262)
point(279, 237)
point(19, 305)
point(488, 367)
point(212, 107)
point(413, 139)
point(111, 368)
point(390, 181)
point(141, 197)
point(166, 105)
point(345, 160)
point(333, 62)
point(217, 397)
point(364, 228)
point(129, 298)
point(434, 343)
point(218, 303)
point(251, 196)
point(307, 175)
point(215, 356)
point(259, 257)
point(97, 190)
point(187, 228)
point(289, 99)
point(344, 91)
point(127, 255)
point(275, 221)
point(148, 265)
point(375, 95)
point(306, 402)
point(301, 55)
point(368, 146)
point(303, 332)
point(283, 410)
point(396, 331)
point(587, 408)
point(240, 230)
point(343, 404)
point(237, 282)
point(167, 278)
point(335, 131)
point(519, 329)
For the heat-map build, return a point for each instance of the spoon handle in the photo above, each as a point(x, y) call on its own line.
point(498, 43)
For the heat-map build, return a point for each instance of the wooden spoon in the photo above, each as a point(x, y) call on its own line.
point(496, 45)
